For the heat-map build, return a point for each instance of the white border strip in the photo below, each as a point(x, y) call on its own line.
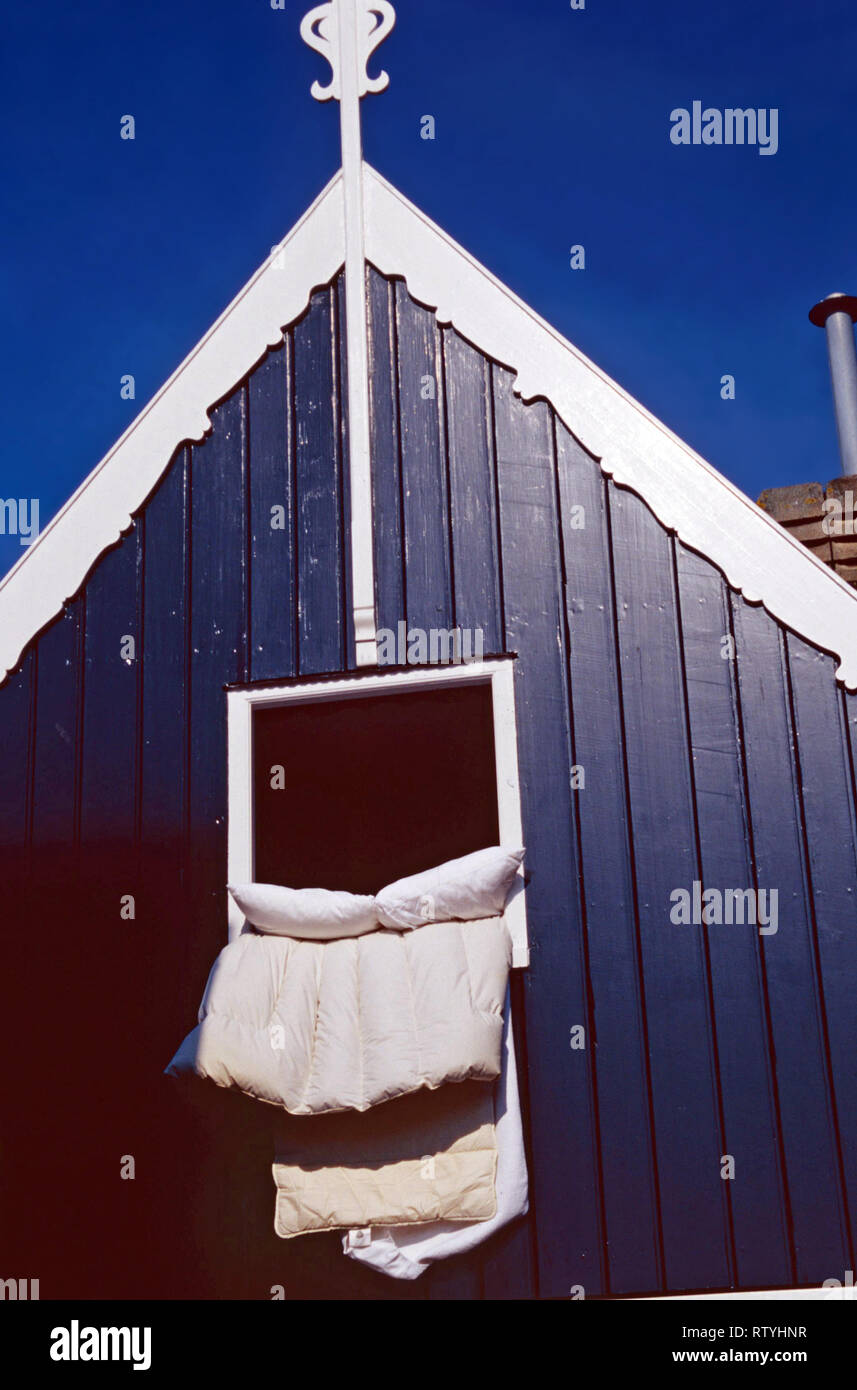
point(242, 703)
point(351, 62)
point(835, 1294)
point(757, 555)
point(98, 513)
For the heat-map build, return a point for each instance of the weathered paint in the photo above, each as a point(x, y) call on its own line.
point(733, 771)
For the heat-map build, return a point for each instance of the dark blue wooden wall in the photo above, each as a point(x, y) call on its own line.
point(739, 773)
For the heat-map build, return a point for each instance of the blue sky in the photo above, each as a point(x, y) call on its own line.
point(552, 129)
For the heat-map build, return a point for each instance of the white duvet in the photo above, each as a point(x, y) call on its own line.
point(344, 1025)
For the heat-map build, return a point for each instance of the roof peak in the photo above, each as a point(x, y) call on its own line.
point(706, 512)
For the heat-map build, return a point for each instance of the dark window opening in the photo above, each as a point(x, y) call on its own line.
point(375, 787)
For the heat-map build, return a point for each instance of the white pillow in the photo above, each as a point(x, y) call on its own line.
point(462, 889)
point(312, 914)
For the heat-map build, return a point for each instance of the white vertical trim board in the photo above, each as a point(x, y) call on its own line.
point(356, 337)
point(346, 34)
point(241, 705)
point(240, 827)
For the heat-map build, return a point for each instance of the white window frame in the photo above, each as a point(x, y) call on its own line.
point(241, 704)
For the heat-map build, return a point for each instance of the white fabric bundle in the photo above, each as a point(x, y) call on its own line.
point(299, 1015)
point(344, 1025)
point(405, 1252)
point(425, 1157)
point(461, 890)
point(309, 914)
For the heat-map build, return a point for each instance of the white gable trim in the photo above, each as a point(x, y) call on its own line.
point(101, 509)
point(709, 514)
point(829, 1293)
point(758, 556)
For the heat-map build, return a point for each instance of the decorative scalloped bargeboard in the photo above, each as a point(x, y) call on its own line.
point(101, 510)
point(708, 514)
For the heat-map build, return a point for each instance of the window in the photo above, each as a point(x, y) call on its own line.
point(350, 783)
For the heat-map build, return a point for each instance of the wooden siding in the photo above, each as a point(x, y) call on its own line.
point(734, 771)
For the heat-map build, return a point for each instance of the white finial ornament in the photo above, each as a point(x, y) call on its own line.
point(319, 29)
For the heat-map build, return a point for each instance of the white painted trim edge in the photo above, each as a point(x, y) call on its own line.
point(240, 706)
point(93, 519)
point(352, 74)
point(757, 555)
point(843, 1294)
point(240, 819)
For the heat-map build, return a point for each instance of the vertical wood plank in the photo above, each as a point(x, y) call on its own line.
point(809, 1137)
point(457, 1280)
point(507, 1264)
point(272, 576)
point(508, 1259)
point(828, 815)
point(472, 490)
point(217, 658)
point(107, 974)
point(22, 966)
point(165, 686)
point(683, 1069)
point(424, 485)
point(564, 1188)
point(54, 902)
point(218, 608)
point(386, 463)
point(750, 1109)
point(340, 348)
point(630, 1184)
point(54, 888)
point(849, 722)
point(319, 489)
point(162, 922)
point(15, 702)
point(109, 805)
point(56, 750)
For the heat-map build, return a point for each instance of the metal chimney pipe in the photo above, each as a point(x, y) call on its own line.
point(838, 314)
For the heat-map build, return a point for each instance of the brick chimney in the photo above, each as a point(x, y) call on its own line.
point(824, 518)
